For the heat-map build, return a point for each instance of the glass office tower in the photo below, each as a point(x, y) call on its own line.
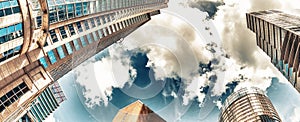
point(248, 105)
point(42, 40)
point(277, 34)
point(44, 104)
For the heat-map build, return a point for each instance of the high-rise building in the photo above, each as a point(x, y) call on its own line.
point(42, 40)
point(44, 104)
point(248, 105)
point(137, 112)
point(277, 34)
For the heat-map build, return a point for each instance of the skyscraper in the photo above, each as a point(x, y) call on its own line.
point(277, 34)
point(44, 104)
point(137, 112)
point(42, 40)
point(248, 105)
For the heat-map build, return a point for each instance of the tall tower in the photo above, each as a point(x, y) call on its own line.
point(44, 104)
point(277, 34)
point(42, 40)
point(248, 105)
point(137, 112)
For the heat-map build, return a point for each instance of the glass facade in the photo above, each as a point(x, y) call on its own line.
point(13, 95)
point(248, 104)
point(277, 34)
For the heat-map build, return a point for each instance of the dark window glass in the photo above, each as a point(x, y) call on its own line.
point(2, 108)
point(53, 14)
point(3, 98)
point(17, 89)
point(63, 32)
point(16, 9)
point(8, 11)
point(1, 13)
point(79, 26)
point(53, 36)
point(39, 21)
point(71, 28)
point(62, 12)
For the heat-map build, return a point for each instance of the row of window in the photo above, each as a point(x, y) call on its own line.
point(9, 7)
point(10, 32)
point(68, 11)
point(83, 41)
point(7, 34)
point(61, 10)
point(13, 95)
point(10, 53)
point(64, 32)
point(43, 105)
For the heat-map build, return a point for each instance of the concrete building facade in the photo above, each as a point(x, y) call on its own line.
point(248, 105)
point(277, 34)
point(41, 40)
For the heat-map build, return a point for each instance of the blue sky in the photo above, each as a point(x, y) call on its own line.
point(160, 65)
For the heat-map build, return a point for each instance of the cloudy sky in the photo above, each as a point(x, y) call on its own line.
point(182, 64)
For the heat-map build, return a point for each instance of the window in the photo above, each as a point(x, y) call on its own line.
point(78, 9)
point(39, 21)
point(53, 36)
point(10, 53)
point(85, 8)
point(89, 38)
point(10, 33)
point(62, 12)
point(77, 47)
point(93, 22)
point(104, 20)
point(71, 28)
point(86, 24)
point(60, 52)
point(43, 62)
point(82, 41)
point(13, 95)
point(98, 21)
point(79, 27)
point(51, 57)
point(63, 32)
point(69, 48)
point(52, 14)
point(71, 11)
point(95, 36)
point(100, 33)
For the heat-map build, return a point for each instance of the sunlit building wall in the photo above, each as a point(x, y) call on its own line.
point(42, 40)
point(248, 105)
point(277, 34)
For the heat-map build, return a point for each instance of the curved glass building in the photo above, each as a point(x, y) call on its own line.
point(248, 105)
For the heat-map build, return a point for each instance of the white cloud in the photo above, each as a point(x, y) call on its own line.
point(99, 77)
point(295, 117)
